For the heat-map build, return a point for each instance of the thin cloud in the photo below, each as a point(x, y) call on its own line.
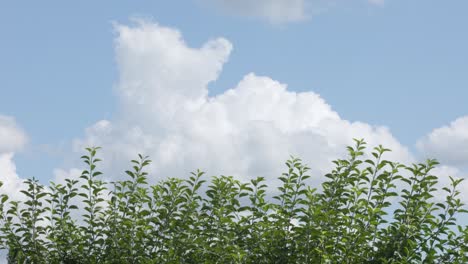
point(275, 11)
point(280, 11)
point(377, 2)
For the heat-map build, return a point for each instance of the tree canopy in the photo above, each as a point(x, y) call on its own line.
point(368, 210)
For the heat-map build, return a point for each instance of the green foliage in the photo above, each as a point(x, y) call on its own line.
point(368, 210)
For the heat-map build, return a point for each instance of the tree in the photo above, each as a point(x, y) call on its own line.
point(368, 210)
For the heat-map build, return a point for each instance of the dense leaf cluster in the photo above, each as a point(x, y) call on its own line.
point(367, 211)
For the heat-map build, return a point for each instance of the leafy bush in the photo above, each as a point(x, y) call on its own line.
point(358, 216)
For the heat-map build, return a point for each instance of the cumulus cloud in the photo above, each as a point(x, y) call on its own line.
point(12, 139)
point(449, 144)
point(11, 181)
point(247, 131)
point(444, 173)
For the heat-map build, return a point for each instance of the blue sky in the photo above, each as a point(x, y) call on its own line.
point(401, 64)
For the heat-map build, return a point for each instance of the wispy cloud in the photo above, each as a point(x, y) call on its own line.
point(377, 2)
point(275, 11)
point(280, 11)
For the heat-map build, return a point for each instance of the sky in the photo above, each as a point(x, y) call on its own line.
point(229, 86)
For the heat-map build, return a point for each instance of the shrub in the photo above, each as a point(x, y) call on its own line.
point(364, 212)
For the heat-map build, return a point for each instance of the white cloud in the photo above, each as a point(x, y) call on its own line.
point(12, 139)
point(12, 183)
point(449, 144)
point(443, 172)
point(249, 130)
